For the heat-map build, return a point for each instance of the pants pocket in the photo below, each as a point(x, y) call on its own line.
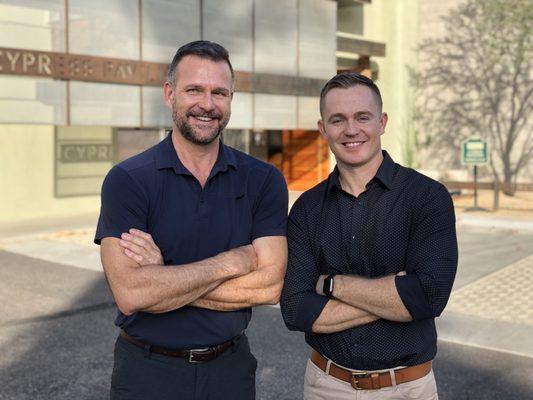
point(424, 388)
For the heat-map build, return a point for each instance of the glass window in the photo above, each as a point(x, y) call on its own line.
point(275, 111)
point(32, 100)
point(317, 39)
point(104, 104)
point(106, 28)
point(33, 24)
point(167, 25)
point(276, 37)
point(230, 24)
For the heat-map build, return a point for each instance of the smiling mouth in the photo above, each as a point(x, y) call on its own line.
point(352, 145)
point(205, 118)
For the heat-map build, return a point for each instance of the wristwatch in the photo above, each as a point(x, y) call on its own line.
point(328, 286)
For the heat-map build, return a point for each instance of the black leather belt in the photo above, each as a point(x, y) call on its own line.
point(193, 356)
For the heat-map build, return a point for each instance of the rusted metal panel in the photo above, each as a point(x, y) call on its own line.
point(113, 70)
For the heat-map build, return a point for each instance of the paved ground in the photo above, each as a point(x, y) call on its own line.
point(56, 331)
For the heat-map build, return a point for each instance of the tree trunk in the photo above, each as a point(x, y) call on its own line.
point(508, 185)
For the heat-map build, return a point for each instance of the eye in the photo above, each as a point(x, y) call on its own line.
point(220, 93)
point(193, 90)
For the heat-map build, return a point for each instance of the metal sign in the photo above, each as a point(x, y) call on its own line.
point(475, 151)
point(85, 152)
point(77, 67)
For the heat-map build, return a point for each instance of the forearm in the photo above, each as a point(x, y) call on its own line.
point(158, 288)
point(260, 286)
point(377, 296)
point(338, 316)
point(255, 288)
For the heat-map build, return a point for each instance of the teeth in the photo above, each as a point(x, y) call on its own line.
point(206, 119)
point(354, 144)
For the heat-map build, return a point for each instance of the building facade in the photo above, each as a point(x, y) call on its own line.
point(80, 85)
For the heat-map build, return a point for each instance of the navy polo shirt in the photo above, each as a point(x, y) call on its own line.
point(243, 199)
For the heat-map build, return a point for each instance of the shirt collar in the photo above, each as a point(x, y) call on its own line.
point(384, 174)
point(166, 157)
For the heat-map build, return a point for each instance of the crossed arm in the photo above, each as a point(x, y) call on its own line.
point(359, 301)
point(235, 279)
point(420, 292)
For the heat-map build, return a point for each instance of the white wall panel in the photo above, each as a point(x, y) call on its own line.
point(241, 111)
point(106, 28)
point(276, 36)
point(27, 100)
point(317, 39)
point(230, 23)
point(275, 111)
point(155, 111)
point(167, 25)
point(308, 112)
point(33, 24)
point(104, 104)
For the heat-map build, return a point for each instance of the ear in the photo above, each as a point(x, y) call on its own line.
point(168, 94)
point(321, 128)
point(383, 122)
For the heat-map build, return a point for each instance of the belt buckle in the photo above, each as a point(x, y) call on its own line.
point(191, 357)
point(192, 353)
point(355, 379)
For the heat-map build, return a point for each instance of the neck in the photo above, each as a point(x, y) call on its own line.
point(354, 178)
point(198, 159)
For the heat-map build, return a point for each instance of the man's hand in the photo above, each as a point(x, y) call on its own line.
point(140, 247)
point(320, 285)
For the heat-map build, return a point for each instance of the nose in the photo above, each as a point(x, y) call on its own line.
point(206, 103)
point(351, 128)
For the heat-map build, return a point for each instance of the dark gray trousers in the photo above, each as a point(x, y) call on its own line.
point(141, 375)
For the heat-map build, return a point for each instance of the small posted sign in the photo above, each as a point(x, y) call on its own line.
point(475, 151)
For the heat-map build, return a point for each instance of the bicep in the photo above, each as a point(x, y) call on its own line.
point(271, 253)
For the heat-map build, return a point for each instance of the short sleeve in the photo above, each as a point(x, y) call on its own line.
point(124, 206)
point(270, 213)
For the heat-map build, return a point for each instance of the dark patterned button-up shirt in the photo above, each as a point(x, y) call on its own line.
point(402, 221)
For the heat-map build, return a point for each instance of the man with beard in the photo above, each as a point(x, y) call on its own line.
point(192, 236)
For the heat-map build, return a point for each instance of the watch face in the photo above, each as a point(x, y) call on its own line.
point(328, 286)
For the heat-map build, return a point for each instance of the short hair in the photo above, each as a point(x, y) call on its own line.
point(200, 48)
point(345, 80)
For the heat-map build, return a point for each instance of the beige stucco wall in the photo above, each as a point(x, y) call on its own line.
point(394, 23)
point(27, 176)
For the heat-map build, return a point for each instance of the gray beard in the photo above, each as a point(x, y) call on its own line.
point(188, 132)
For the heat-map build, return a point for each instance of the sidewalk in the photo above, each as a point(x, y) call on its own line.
point(491, 309)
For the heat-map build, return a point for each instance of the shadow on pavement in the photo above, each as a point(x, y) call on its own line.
point(64, 351)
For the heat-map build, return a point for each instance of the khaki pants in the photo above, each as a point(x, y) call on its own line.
point(320, 386)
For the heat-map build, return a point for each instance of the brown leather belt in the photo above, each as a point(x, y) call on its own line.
point(374, 380)
point(193, 356)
